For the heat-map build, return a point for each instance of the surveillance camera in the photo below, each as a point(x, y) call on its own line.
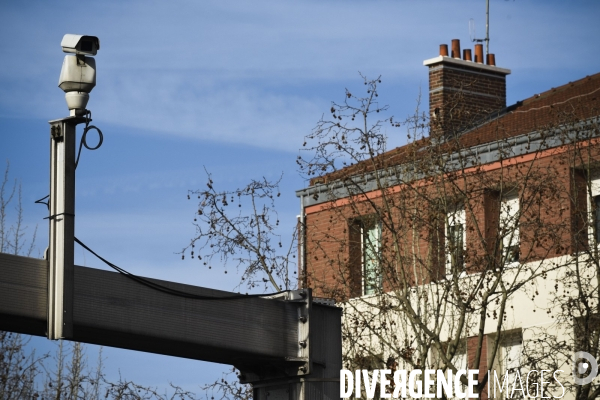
point(77, 79)
point(78, 73)
point(80, 44)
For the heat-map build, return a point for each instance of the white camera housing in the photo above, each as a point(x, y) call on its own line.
point(78, 73)
point(80, 44)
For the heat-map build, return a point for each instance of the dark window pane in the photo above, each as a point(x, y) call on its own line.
point(456, 243)
point(596, 212)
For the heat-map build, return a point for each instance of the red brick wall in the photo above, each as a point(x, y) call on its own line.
point(461, 95)
point(548, 220)
point(328, 256)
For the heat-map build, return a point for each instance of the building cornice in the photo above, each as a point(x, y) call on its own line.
point(444, 60)
point(478, 155)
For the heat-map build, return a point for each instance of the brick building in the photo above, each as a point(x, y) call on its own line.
point(475, 244)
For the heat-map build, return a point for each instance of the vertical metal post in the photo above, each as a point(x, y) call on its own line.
point(315, 373)
point(61, 254)
point(487, 27)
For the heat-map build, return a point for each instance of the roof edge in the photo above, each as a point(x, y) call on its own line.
point(469, 64)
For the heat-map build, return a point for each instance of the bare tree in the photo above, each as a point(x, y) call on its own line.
point(574, 296)
point(12, 233)
point(27, 375)
point(229, 388)
point(241, 227)
point(435, 250)
point(18, 368)
point(438, 250)
point(73, 379)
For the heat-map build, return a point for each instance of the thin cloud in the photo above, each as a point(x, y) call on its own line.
point(233, 72)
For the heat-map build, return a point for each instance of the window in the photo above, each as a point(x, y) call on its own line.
point(507, 364)
point(594, 207)
point(365, 275)
point(596, 217)
point(456, 235)
point(583, 216)
point(371, 256)
point(586, 330)
point(509, 228)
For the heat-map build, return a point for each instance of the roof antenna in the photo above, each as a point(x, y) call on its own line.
point(472, 34)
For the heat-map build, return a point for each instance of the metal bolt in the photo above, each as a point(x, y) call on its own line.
point(303, 319)
point(56, 133)
point(303, 343)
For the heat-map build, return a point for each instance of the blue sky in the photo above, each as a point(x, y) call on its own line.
point(234, 87)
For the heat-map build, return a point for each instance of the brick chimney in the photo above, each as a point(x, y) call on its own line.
point(463, 91)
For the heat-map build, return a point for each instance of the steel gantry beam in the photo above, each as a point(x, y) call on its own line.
point(286, 344)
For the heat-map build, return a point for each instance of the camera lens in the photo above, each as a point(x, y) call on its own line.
point(86, 45)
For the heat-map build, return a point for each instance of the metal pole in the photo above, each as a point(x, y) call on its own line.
point(61, 254)
point(487, 28)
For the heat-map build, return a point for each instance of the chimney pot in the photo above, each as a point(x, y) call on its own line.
point(479, 53)
point(463, 93)
point(444, 50)
point(456, 48)
point(467, 55)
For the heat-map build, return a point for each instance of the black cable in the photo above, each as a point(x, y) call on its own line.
point(143, 281)
point(168, 290)
point(83, 141)
point(41, 201)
